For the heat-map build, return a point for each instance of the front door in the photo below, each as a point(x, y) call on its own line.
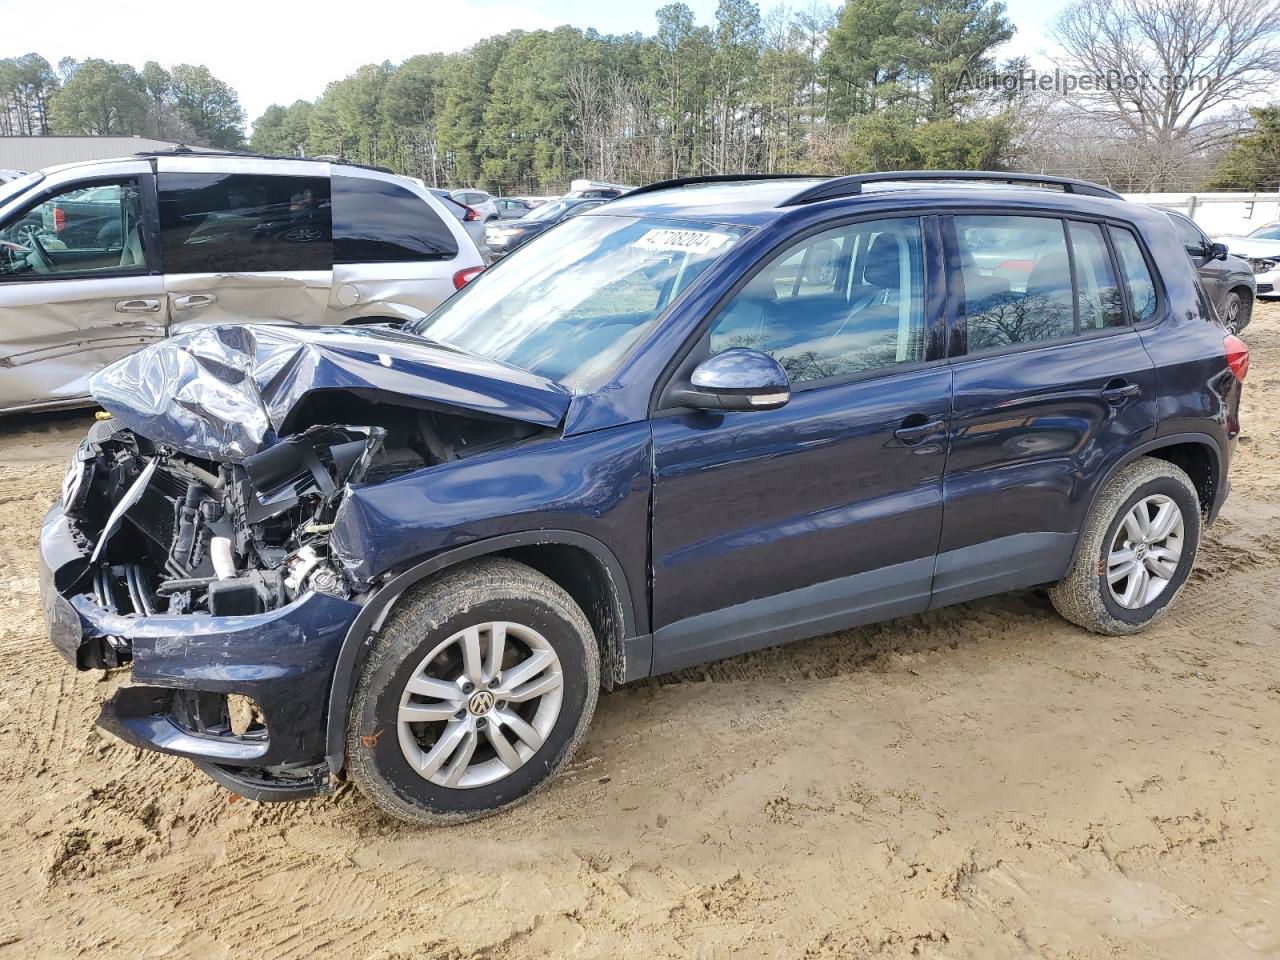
point(79, 286)
point(770, 526)
point(1052, 386)
point(245, 247)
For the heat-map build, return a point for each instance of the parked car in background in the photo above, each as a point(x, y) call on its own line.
point(479, 201)
point(7, 175)
point(470, 219)
point(1261, 249)
point(100, 258)
point(1228, 280)
point(714, 417)
point(596, 190)
point(512, 208)
point(502, 238)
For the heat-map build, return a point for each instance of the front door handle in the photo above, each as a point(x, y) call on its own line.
point(194, 300)
point(1118, 391)
point(137, 306)
point(912, 433)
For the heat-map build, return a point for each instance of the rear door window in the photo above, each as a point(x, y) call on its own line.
point(376, 221)
point(1017, 280)
point(244, 223)
point(1099, 296)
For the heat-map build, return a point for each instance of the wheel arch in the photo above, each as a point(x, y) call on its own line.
point(584, 567)
point(1197, 454)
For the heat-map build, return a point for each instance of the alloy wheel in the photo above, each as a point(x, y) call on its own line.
point(480, 704)
point(1145, 551)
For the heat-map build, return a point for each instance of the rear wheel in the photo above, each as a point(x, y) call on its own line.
point(1136, 551)
point(475, 694)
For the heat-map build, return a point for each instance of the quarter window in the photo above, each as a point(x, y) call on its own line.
point(1137, 278)
point(376, 221)
point(244, 223)
point(844, 301)
point(82, 229)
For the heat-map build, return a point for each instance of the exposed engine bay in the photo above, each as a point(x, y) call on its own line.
point(170, 533)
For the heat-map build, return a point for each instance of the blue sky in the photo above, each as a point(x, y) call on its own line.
point(283, 50)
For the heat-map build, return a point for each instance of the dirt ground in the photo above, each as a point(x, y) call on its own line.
point(983, 781)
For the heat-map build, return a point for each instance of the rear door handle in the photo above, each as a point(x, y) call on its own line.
point(194, 300)
point(137, 306)
point(1119, 391)
point(915, 433)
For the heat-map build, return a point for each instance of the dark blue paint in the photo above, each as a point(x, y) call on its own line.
point(283, 659)
point(726, 530)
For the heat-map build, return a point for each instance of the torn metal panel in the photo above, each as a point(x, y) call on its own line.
point(226, 393)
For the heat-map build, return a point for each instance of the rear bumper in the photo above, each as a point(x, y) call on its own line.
point(282, 659)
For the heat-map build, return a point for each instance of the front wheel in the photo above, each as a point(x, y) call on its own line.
point(1236, 311)
point(475, 694)
point(1136, 551)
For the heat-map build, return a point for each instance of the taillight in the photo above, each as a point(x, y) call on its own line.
point(1237, 356)
point(463, 277)
point(59, 219)
point(471, 214)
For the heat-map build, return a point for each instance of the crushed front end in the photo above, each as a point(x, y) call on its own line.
point(214, 582)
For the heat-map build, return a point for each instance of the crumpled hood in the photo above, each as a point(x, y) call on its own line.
point(224, 392)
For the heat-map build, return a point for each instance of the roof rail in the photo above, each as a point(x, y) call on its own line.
point(182, 150)
point(717, 178)
point(852, 185)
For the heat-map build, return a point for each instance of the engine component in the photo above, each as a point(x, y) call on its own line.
point(224, 561)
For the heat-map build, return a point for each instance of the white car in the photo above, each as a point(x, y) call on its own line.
point(1262, 249)
point(479, 201)
point(100, 258)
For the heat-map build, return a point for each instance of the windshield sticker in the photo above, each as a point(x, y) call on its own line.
point(684, 241)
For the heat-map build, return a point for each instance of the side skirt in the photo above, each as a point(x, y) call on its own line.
point(807, 612)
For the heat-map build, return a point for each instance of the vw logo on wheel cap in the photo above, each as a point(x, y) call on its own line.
point(481, 703)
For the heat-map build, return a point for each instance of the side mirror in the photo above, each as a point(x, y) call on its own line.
point(737, 379)
point(1218, 251)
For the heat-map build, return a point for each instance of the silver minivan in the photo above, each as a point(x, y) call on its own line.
point(100, 258)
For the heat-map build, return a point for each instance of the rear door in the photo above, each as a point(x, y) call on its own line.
point(395, 248)
point(1052, 386)
point(245, 240)
point(80, 284)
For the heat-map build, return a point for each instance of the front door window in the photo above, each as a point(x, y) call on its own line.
point(81, 229)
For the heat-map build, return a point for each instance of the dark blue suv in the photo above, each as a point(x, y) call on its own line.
point(704, 418)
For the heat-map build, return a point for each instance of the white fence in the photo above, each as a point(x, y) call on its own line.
point(1219, 214)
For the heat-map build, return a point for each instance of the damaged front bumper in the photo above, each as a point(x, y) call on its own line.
point(185, 666)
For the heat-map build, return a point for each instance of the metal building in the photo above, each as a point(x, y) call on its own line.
point(35, 153)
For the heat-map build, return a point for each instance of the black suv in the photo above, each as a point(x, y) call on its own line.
point(704, 418)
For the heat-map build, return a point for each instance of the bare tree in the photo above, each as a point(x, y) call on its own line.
point(1171, 66)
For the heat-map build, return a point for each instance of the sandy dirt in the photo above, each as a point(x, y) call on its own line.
point(982, 781)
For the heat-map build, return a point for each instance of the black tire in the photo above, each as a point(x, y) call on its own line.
point(488, 589)
point(1083, 595)
point(1237, 310)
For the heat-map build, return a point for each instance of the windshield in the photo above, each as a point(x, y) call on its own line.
point(570, 304)
point(550, 211)
point(1270, 232)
